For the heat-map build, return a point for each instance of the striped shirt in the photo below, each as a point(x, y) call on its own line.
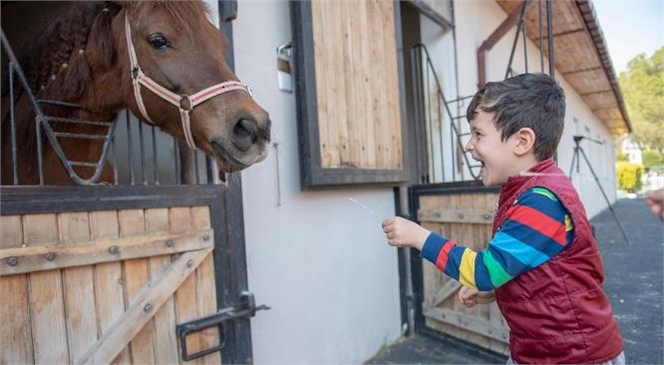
point(537, 228)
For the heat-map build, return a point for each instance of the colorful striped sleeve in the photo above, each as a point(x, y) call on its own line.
point(537, 228)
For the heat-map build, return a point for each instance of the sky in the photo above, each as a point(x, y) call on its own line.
point(630, 27)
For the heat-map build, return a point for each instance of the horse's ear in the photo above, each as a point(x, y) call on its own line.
point(100, 42)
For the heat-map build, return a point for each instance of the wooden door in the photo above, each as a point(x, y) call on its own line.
point(464, 213)
point(106, 286)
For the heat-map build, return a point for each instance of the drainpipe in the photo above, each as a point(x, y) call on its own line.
point(497, 34)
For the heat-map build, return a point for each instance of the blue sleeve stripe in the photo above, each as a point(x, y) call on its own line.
point(532, 237)
point(542, 203)
point(432, 246)
point(454, 261)
point(482, 277)
point(504, 258)
point(523, 252)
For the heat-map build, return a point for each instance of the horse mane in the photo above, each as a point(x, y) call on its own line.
point(58, 65)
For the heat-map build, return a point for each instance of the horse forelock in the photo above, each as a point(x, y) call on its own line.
point(185, 14)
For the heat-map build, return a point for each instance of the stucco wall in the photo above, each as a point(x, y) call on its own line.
point(318, 260)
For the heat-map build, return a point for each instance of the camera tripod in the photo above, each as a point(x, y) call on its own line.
point(578, 151)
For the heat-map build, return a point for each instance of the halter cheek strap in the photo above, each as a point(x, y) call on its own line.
point(184, 103)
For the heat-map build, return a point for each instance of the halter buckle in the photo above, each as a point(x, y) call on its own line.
point(185, 103)
point(135, 72)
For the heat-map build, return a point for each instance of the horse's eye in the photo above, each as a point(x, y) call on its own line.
point(158, 41)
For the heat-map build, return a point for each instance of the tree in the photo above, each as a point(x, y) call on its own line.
point(643, 90)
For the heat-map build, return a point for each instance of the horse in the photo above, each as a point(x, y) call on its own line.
point(161, 60)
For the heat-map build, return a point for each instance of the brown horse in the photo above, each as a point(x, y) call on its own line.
point(163, 60)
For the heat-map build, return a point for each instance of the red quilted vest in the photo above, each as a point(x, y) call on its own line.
point(558, 312)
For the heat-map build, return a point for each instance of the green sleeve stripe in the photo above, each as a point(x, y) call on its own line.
point(497, 274)
point(546, 193)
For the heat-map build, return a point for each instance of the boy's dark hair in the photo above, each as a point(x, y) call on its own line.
point(534, 101)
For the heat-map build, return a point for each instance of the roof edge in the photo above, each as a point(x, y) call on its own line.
point(592, 24)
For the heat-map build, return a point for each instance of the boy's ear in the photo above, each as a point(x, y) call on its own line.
point(525, 141)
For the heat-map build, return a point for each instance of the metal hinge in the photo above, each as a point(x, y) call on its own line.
point(247, 308)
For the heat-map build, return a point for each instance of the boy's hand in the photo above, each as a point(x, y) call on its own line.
point(471, 297)
point(401, 232)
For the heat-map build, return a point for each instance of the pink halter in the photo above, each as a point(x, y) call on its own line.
point(184, 103)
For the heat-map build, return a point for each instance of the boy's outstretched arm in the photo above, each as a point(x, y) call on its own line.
point(401, 232)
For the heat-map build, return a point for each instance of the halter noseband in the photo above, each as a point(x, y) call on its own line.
point(184, 103)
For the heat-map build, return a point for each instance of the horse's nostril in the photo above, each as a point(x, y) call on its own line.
point(244, 134)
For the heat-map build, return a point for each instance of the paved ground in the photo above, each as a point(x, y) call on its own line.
point(634, 276)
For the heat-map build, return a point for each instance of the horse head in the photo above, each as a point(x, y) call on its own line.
point(162, 60)
point(174, 75)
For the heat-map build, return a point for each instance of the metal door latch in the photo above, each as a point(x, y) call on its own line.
point(247, 308)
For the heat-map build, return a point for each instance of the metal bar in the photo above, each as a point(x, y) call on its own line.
point(497, 34)
point(525, 45)
point(129, 149)
point(141, 145)
point(114, 160)
point(78, 135)
point(197, 174)
point(60, 103)
point(176, 153)
point(81, 163)
point(516, 36)
point(12, 121)
point(155, 164)
point(539, 14)
point(77, 121)
point(416, 75)
point(549, 17)
point(40, 157)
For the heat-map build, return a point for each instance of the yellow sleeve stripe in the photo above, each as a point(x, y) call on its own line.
point(467, 268)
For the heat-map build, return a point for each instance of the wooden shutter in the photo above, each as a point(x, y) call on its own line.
point(349, 81)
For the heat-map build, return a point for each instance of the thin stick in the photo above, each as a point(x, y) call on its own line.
point(366, 208)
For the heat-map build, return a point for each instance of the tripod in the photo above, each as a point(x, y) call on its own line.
point(578, 151)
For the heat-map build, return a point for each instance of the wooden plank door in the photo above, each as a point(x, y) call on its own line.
point(106, 286)
point(463, 212)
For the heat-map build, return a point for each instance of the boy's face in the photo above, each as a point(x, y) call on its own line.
point(496, 156)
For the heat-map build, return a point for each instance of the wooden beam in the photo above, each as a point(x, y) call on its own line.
point(20, 260)
point(456, 215)
point(449, 288)
point(144, 307)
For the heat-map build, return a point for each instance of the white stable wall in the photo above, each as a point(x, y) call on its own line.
point(320, 261)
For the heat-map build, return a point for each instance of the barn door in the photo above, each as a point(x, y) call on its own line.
point(463, 212)
point(151, 281)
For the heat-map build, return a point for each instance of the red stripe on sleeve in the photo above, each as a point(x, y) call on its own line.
point(443, 255)
point(540, 222)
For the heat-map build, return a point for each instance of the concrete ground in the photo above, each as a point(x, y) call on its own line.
point(634, 276)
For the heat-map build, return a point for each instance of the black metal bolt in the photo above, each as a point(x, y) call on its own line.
point(190, 263)
point(12, 261)
point(113, 250)
point(147, 308)
point(169, 243)
point(206, 237)
point(50, 256)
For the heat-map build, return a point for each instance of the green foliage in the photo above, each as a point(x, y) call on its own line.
point(643, 91)
point(622, 157)
point(652, 158)
point(629, 176)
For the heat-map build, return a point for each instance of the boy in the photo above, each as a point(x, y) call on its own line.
point(542, 265)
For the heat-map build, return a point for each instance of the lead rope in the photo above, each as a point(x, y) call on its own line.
point(184, 103)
